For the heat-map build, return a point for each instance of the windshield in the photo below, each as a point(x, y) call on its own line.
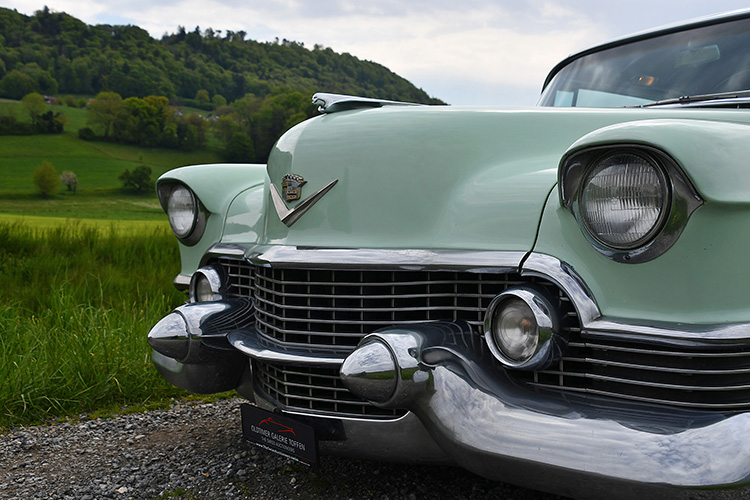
point(703, 60)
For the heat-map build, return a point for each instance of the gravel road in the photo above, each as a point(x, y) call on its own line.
point(196, 451)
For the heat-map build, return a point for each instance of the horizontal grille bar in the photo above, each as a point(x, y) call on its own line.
point(638, 350)
point(636, 366)
point(644, 399)
point(659, 385)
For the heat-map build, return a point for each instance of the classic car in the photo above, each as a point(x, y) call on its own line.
point(555, 296)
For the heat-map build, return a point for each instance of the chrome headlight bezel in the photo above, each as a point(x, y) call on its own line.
point(193, 231)
point(207, 285)
point(679, 200)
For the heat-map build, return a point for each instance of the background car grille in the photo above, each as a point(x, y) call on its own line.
point(334, 309)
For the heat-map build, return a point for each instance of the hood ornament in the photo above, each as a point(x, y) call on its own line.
point(291, 190)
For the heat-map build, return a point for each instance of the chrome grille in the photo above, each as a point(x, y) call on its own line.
point(336, 308)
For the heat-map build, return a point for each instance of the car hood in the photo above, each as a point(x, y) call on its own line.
point(427, 177)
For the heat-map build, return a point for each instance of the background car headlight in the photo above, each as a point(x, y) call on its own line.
point(623, 200)
point(187, 217)
point(182, 209)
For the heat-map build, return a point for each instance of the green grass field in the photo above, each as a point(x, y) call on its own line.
point(75, 308)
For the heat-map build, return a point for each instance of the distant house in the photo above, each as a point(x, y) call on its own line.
point(50, 100)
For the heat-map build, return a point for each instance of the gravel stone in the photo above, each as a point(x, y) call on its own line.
point(196, 451)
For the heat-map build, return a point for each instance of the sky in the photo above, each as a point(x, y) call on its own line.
point(465, 52)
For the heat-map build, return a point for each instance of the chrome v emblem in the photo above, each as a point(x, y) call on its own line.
point(290, 215)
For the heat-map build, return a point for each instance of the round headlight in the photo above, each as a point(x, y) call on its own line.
point(520, 328)
point(623, 200)
point(182, 209)
point(515, 331)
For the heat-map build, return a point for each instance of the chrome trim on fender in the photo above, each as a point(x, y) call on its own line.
point(596, 326)
point(731, 334)
point(545, 266)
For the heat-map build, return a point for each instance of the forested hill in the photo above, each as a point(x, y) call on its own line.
point(54, 53)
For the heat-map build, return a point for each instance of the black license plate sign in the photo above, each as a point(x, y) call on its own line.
point(279, 434)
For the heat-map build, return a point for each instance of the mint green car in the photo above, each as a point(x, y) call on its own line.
point(557, 297)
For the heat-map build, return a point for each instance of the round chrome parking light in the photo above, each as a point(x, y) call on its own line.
point(206, 285)
point(520, 329)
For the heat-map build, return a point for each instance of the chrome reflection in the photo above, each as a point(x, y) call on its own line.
point(370, 370)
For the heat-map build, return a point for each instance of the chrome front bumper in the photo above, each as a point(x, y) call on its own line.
point(462, 409)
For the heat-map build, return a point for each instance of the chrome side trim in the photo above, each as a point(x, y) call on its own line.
point(737, 334)
point(545, 266)
point(595, 326)
point(182, 282)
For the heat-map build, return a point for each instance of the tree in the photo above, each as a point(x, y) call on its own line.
point(240, 149)
point(45, 179)
point(139, 180)
point(218, 101)
point(69, 179)
point(104, 111)
point(35, 106)
point(202, 97)
point(15, 85)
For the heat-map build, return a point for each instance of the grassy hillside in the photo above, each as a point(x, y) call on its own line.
point(97, 166)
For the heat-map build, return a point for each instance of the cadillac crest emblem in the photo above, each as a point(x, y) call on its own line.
point(291, 187)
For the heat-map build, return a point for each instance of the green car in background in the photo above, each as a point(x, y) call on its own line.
point(557, 297)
